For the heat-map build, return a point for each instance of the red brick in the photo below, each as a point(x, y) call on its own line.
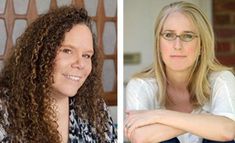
point(223, 5)
point(222, 19)
point(233, 19)
point(225, 33)
point(233, 46)
point(228, 60)
point(223, 47)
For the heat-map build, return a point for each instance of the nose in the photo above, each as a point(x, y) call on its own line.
point(78, 63)
point(178, 44)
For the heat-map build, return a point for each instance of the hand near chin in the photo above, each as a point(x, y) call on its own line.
point(136, 119)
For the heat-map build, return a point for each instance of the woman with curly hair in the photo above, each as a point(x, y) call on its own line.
point(51, 86)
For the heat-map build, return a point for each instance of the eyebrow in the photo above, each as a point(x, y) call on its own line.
point(70, 46)
point(182, 32)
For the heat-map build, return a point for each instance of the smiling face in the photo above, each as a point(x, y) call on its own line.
point(179, 55)
point(73, 61)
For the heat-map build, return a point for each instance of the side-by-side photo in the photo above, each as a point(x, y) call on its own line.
point(58, 79)
point(117, 71)
point(179, 83)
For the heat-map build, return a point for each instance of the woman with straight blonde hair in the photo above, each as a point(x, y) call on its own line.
point(186, 96)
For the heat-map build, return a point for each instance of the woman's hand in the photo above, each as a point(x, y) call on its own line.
point(153, 133)
point(136, 119)
point(209, 126)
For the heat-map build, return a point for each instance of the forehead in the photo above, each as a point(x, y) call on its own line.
point(79, 36)
point(78, 31)
point(178, 22)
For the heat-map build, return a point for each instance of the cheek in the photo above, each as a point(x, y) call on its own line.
point(88, 68)
point(165, 50)
point(192, 53)
point(57, 66)
point(193, 50)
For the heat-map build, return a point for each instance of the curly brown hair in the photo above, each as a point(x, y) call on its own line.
point(27, 77)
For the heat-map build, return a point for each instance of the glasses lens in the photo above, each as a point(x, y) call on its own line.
point(187, 37)
point(169, 36)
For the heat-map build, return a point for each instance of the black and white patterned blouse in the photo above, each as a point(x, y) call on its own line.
point(80, 131)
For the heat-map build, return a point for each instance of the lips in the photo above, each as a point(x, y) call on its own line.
point(72, 77)
point(178, 56)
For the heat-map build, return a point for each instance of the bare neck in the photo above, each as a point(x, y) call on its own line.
point(177, 91)
point(62, 106)
point(177, 80)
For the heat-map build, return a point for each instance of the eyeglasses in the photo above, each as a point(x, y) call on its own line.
point(186, 37)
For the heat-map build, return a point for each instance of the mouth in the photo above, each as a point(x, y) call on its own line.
point(72, 77)
point(178, 56)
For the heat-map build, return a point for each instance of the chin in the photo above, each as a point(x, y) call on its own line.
point(71, 94)
point(180, 68)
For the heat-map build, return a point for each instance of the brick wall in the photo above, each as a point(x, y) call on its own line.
point(224, 27)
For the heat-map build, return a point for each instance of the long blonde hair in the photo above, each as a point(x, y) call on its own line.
point(206, 63)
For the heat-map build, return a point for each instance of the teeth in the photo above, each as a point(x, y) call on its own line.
point(72, 77)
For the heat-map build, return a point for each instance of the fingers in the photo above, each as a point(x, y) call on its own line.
point(129, 130)
point(131, 112)
point(133, 121)
point(127, 124)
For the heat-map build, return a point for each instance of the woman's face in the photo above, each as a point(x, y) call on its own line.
point(179, 54)
point(73, 61)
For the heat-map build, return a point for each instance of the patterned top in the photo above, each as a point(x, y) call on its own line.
point(80, 131)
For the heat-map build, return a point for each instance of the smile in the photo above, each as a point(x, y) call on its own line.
point(73, 77)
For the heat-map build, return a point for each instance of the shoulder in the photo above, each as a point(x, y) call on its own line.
point(142, 87)
point(3, 111)
point(4, 122)
point(221, 78)
point(141, 83)
point(111, 133)
point(141, 94)
point(223, 94)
